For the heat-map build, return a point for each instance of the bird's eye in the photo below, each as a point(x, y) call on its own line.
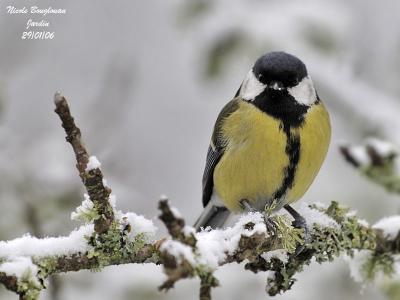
point(260, 76)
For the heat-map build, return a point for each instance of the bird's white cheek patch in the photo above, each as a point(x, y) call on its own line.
point(304, 92)
point(251, 87)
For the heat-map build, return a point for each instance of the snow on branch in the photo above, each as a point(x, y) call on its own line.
point(377, 160)
point(111, 237)
point(88, 167)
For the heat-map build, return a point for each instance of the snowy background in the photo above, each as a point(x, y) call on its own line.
point(146, 80)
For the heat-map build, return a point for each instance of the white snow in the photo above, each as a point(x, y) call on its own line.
point(359, 153)
point(383, 148)
point(139, 224)
point(356, 263)
point(176, 212)
point(105, 183)
point(92, 164)
point(58, 98)
point(280, 254)
point(188, 230)
point(351, 213)
point(213, 246)
point(32, 246)
point(113, 201)
point(363, 222)
point(389, 225)
point(18, 266)
point(85, 208)
point(179, 251)
point(314, 216)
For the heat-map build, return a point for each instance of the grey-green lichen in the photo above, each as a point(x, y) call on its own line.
point(327, 244)
point(290, 237)
point(28, 286)
point(385, 175)
point(115, 245)
point(47, 266)
point(87, 211)
point(377, 263)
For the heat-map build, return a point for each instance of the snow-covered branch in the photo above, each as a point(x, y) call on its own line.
point(88, 167)
point(334, 231)
point(377, 160)
point(110, 237)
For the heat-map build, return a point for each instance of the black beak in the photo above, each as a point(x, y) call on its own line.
point(276, 85)
point(238, 91)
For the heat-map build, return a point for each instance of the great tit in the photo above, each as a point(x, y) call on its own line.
point(268, 143)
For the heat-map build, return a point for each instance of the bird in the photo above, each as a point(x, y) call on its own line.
point(268, 143)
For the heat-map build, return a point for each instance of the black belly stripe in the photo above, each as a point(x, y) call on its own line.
point(282, 106)
point(293, 152)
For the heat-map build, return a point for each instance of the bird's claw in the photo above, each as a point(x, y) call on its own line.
point(271, 225)
point(301, 223)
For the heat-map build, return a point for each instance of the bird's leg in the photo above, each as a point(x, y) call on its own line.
point(246, 206)
point(299, 222)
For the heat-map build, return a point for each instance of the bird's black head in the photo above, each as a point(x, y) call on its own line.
point(278, 76)
point(279, 85)
point(279, 70)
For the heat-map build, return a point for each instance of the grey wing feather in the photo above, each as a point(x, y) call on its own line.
point(213, 156)
point(216, 150)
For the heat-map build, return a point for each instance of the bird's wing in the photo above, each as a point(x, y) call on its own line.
point(216, 149)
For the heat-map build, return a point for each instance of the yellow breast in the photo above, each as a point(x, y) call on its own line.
point(254, 161)
point(315, 135)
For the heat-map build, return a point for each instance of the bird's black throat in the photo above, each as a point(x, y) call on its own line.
point(282, 106)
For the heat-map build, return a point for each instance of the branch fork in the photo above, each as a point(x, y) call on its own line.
point(113, 238)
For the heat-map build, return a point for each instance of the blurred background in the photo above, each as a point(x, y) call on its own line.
point(145, 81)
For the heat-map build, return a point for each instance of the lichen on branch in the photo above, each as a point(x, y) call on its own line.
point(110, 237)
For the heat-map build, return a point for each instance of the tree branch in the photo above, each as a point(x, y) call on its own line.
point(377, 160)
point(91, 178)
point(111, 237)
point(9, 281)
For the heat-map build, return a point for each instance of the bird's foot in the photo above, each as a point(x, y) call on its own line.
point(271, 225)
point(269, 222)
point(300, 223)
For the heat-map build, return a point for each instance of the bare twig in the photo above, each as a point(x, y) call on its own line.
point(173, 222)
point(92, 179)
point(207, 282)
point(10, 282)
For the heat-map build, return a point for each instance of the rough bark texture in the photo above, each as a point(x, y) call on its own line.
point(326, 243)
point(10, 282)
point(93, 179)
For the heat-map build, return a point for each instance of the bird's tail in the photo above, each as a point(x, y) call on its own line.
point(213, 216)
